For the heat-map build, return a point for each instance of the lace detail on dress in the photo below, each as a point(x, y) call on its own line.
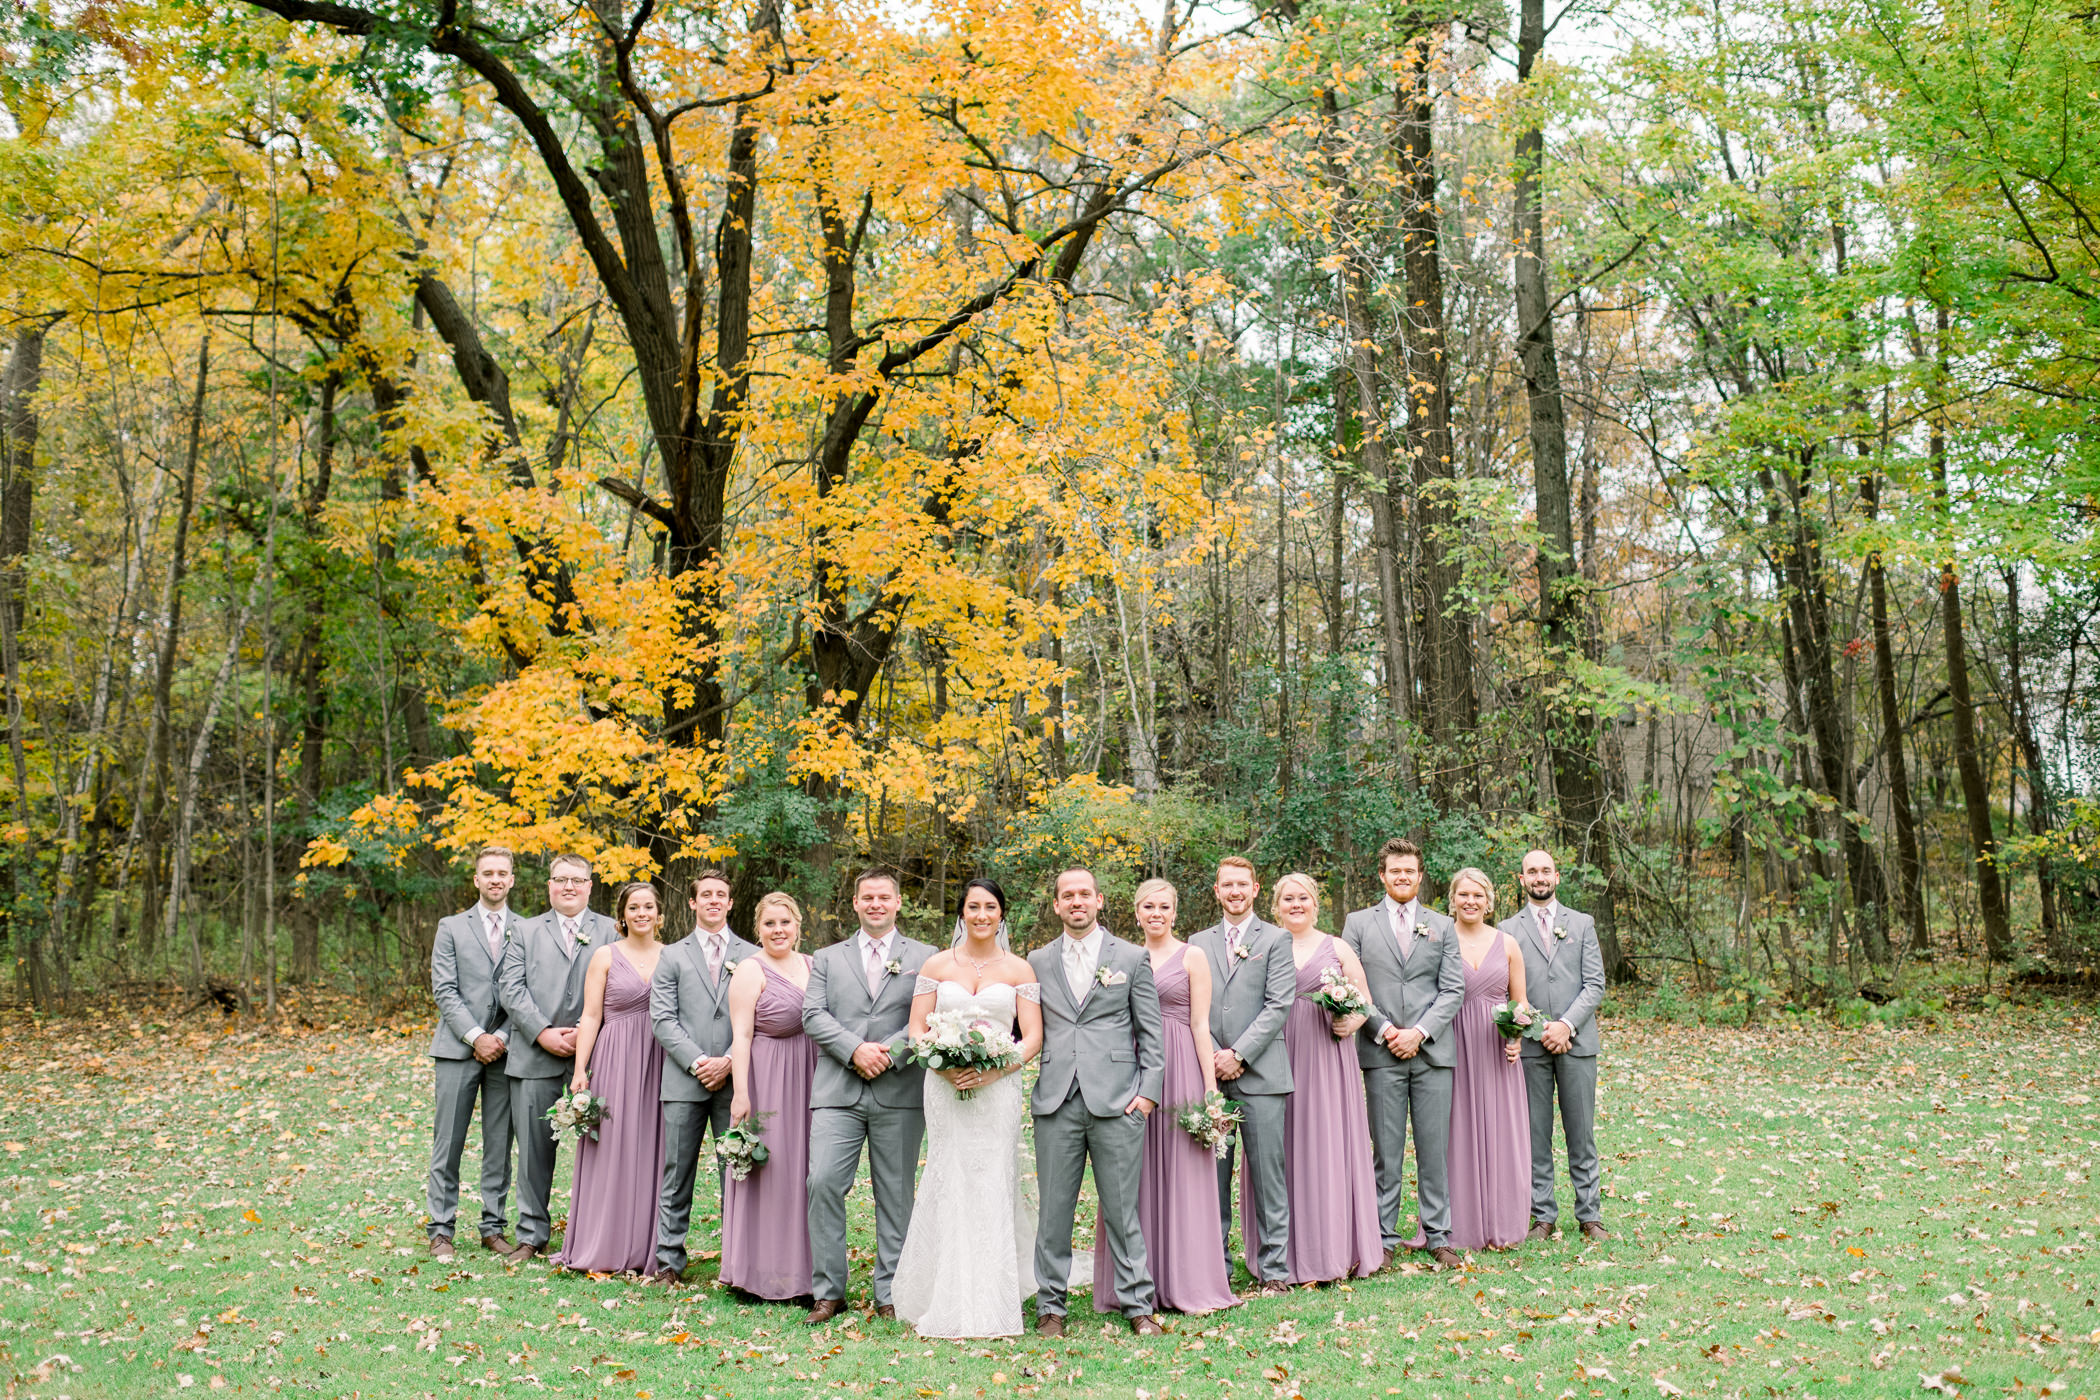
point(924, 985)
point(1030, 991)
point(960, 1275)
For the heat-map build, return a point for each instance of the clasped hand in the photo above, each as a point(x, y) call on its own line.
point(558, 1040)
point(1403, 1043)
point(712, 1071)
point(871, 1059)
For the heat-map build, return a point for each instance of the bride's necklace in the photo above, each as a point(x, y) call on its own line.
point(979, 963)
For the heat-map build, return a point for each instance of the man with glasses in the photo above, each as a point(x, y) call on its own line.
point(541, 987)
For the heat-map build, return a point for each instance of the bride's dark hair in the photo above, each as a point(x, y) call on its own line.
point(989, 886)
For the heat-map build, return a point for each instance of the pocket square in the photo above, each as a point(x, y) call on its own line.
point(1109, 977)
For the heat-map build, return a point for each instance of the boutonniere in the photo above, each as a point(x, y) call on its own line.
point(1560, 931)
point(894, 967)
point(583, 937)
point(729, 965)
point(1241, 952)
point(1109, 977)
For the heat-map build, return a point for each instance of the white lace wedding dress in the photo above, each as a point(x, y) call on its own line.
point(969, 1255)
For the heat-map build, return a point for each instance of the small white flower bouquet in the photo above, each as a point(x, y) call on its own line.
point(578, 1115)
point(742, 1150)
point(1338, 995)
point(958, 1040)
point(1210, 1121)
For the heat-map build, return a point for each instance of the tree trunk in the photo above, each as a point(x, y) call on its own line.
point(1572, 737)
point(2040, 818)
point(1968, 758)
point(1910, 868)
point(18, 433)
point(1451, 704)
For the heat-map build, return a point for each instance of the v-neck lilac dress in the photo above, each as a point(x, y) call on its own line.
point(765, 1217)
point(1178, 1190)
point(1490, 1162)
point(1327, 1164)
point(612, 1207)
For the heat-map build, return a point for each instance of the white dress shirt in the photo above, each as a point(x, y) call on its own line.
point(874, 953)
point(1082, 956)
point(482, 915)
point(1411, 911)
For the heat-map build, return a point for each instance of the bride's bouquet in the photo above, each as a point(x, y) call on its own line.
point(1338, 996)
point(1210, 1121)
point(1519, 1020)
point(742, 1150)
point(578, 1115)
point(961, 1040)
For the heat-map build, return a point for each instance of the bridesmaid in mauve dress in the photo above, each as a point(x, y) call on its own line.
point(765, 1217)
point(1490, 1161)
point(1326, 1127)
point(612, 1206)
point(1178, 1191)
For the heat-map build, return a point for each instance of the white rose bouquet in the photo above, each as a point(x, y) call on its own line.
point(1519, 1020)
point(742, 1150)
point(578, 1115)
point(958, 1040)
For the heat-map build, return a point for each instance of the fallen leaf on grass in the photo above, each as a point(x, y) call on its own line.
point(1666, 1388)
point(1945, 1382)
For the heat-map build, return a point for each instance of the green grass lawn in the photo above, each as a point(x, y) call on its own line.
point(1799, 1212)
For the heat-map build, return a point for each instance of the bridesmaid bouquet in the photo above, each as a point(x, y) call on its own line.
point(742, 1150)
point(958, 1040)
point(1519, 1020)
point(1338, 996)
point(578, 1115)
point(1210, 1121)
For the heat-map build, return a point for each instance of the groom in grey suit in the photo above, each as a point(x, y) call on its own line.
point(857, 1009)
point(1563, 977)
point(1406, 1049)
point(689, 1015)
point(467, 1052)
point(1104, 1056)
point(1253, 982)
point(541, 986)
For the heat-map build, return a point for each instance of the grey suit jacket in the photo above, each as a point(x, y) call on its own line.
point(1426, 991)
point(1250, 999)
point(463, 980)
point(1111, 1042)
point(840, 1014)
point(541, 986)
point(1565, 981)
point(689, 1012)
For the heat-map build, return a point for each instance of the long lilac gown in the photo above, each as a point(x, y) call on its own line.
point(765, 1217)
point(1178, 1191)
point(1490, 1160)
point(612, 1208)
point(1326, 1147)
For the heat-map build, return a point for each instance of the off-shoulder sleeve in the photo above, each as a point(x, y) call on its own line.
point(923, 986)
point(1030, 991)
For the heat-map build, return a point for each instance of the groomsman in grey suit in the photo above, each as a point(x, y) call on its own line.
point(541, 986)
point(1104, 1056)
point(689, 1014)
point(1563, 977)
point(471, 1039)
point(857, 1009)
point(1251, 994)
point(1418, 981)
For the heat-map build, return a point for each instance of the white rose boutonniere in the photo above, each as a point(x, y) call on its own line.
point(1560, 932)
point(729, 965)
point(583, 938)
point(1241, 952)
point(894, 967)
point(1109, 977)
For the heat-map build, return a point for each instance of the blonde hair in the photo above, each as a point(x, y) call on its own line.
point(1284, 882)
point(1153, 887)
point(781, 898)
point(1479, 878)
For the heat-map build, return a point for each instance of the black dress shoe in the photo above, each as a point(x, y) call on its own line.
point(825, 1310)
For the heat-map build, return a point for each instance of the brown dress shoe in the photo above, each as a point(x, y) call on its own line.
point(441, 1248)
point(668, 1278)
point(823, 1311)
point(1273, 1288)
point(1147, 1326)
point(496, 1244)
point(1594, 1230)
point(526, 1252)
point(1050, 1325)
point(1445, 1257)
point(886, 1311)
point(1539, 1230)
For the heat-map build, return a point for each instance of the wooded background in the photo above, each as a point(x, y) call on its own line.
point(982, 437)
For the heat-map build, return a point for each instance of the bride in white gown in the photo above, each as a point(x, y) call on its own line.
point(958, 1277)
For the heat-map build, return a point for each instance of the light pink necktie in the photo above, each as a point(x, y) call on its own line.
point(495, 938)
point(874, 966)
point(568, 939)
point(1406, 919)
point(714, 956)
